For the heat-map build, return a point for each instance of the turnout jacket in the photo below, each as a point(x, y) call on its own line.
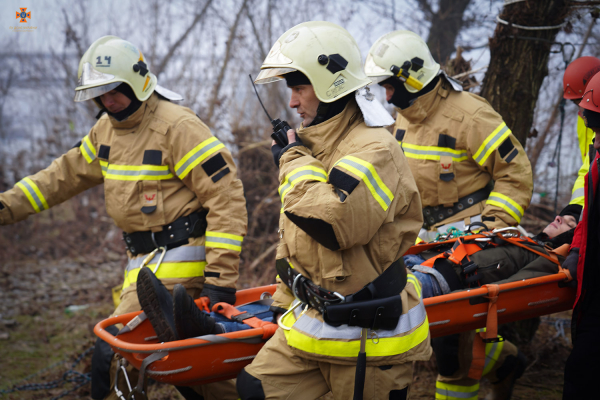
point(350, 207)
point(456, 144)
point(160, 164)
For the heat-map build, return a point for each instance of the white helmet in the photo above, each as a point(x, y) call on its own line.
point(325, 52)
point(109, 62)
point(405, 55)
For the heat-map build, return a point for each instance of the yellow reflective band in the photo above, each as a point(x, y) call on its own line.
point(386, 346)
point(432, 152)
point(507, 204)
point(197, 155)
point(169, 270)
point(305, 173)
point(491, 143)
point(446, 391)
point(492, 352)
point(136, 172)
point(366, 172)
point(87, 149)
point(33, 194)
point(104, 166)
point(412, 279)
point(223, 241)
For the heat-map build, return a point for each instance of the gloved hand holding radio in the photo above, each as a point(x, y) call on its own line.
point(277, 149)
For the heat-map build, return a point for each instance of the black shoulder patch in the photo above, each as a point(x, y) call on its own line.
point(213, 164)
point(76, 145)
point(342, 180)
point(220, 175)
point(505, 147)
point(208, 274)
point(400, 134)
point(99, 115)
point(512, 155)
point(1, 206)
point(152, 157)
point(446, 141)
point(104, 152)
point(317, 229)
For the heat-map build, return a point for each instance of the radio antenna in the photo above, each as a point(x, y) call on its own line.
point(260, 101)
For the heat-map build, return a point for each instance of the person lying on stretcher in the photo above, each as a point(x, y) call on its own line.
point(178, 317)
point(500, 264)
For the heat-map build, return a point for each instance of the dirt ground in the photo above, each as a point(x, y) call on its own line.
point(41, 337)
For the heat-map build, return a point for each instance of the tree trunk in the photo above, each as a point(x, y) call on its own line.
point(519, 60)
point(445, 26)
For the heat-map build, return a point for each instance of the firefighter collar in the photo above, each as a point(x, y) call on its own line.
point(422, 106)
point(136, 118)
point(324, 137)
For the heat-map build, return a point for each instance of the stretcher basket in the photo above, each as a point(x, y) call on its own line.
point(213, 358)
point(188, 362)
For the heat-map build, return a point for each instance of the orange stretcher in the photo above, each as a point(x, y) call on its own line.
point(213, 358)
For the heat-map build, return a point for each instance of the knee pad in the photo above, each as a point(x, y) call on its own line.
point(446, 354)
point(101, 359)
point(511, 363)
point(248, 387)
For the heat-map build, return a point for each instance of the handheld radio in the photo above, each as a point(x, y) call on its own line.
point(280, 128)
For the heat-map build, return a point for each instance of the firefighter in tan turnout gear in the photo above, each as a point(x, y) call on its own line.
point(469, 168)
point(169, 184)
point(350, 209)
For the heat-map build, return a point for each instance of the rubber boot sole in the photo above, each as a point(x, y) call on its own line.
point(157, 303)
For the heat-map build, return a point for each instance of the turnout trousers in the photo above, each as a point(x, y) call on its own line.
point(278, 373)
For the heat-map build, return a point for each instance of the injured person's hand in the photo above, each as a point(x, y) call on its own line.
point(570, 263)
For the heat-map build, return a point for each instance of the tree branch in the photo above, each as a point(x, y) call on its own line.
point(219, 82)
point(179, 42)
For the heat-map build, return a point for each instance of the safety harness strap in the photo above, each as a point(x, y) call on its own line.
point(232, 313)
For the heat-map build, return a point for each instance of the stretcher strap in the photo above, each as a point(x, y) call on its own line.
point(520, 242)
point(230, 312)
point(489, 334)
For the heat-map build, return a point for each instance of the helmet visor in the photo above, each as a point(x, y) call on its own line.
point(90, 93)
point(374, 71)
point(269, 75)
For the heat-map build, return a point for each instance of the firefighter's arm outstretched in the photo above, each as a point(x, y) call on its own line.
point(494, 148)
point(70, 174)
point(205, 165)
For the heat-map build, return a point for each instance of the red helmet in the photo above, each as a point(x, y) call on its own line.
point(591, 97)
point(577, 75)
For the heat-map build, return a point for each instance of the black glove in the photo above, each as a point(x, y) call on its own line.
point(570, 263)
point(278, 151)
point(217, 294)
point(277, 312)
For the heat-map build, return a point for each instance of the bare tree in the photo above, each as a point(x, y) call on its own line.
point(519, 53)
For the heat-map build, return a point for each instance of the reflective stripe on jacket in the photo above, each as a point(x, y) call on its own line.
point(350, 208)
point(456, 144)
point(584, 137)
point(159, 164)
point(316, 339)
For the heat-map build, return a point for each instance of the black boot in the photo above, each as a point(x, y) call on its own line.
point(157, 303)
point(190, 321)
